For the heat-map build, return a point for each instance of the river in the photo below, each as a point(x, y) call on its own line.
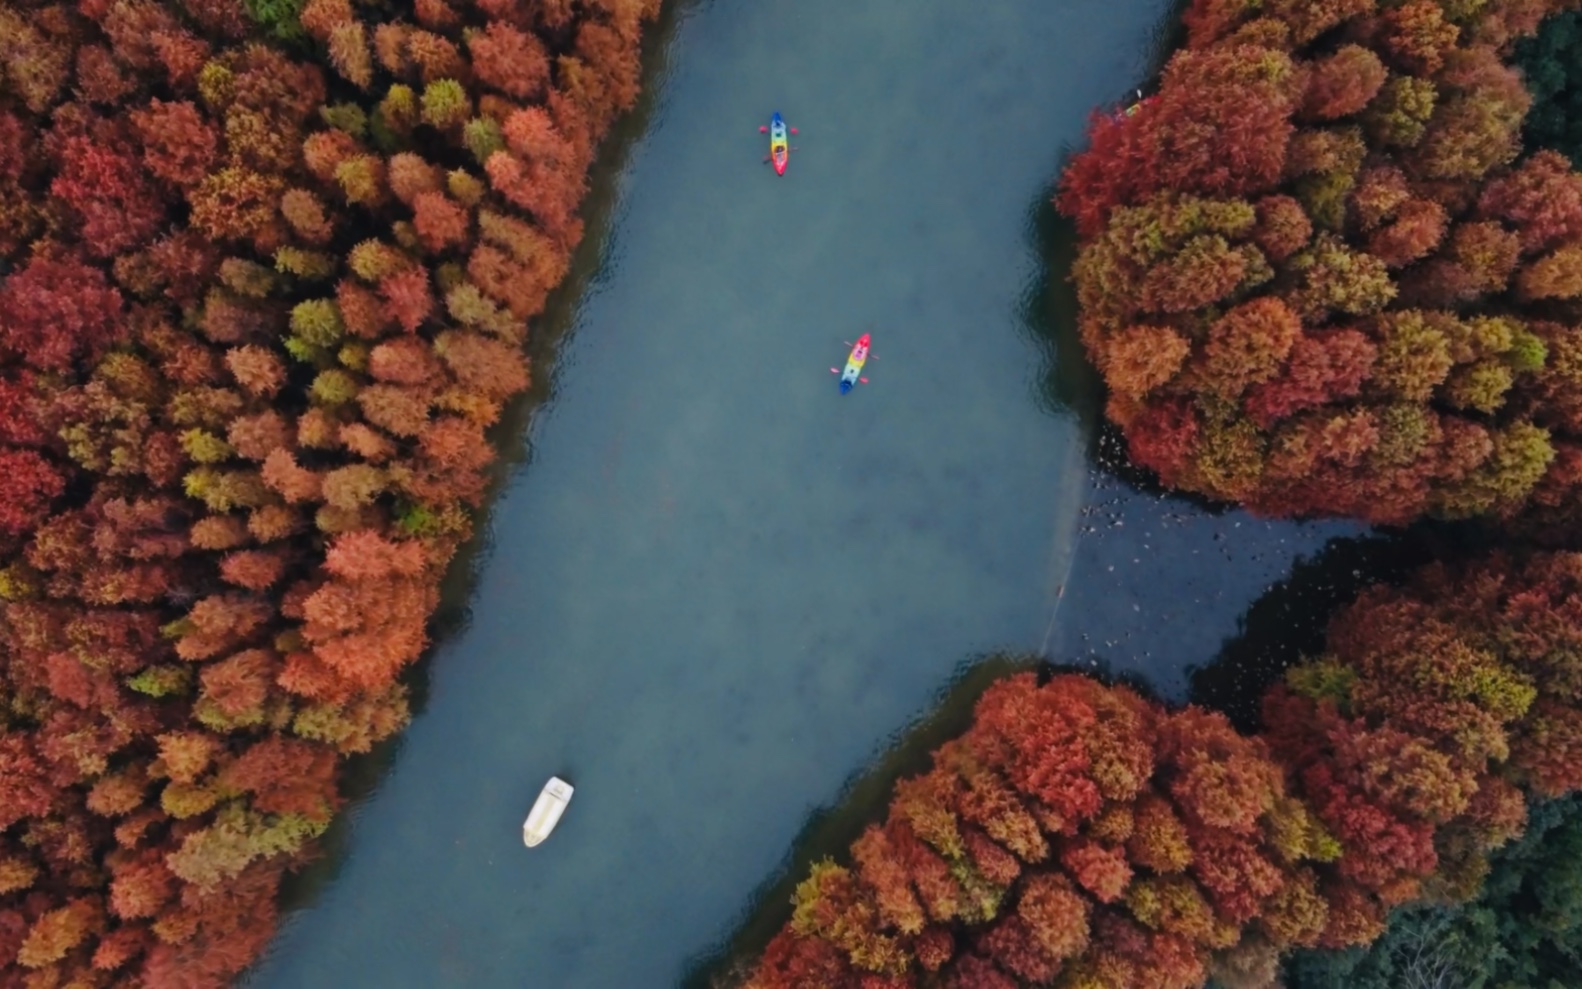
point(711, 590)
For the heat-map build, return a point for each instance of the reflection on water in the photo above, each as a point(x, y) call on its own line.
point(713, 588)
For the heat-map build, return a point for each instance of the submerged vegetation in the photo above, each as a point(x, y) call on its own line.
point(266, 271)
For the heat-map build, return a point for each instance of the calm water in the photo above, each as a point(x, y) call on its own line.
point(713, 589)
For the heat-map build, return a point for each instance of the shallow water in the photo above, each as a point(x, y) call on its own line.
point(712, 589)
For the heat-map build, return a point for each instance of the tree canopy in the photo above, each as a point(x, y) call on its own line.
point(1318, 278)
point(1523, 929)
point(251, 337)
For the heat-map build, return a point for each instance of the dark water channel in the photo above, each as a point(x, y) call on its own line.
point(712, 591)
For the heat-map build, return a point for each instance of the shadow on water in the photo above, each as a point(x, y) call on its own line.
point(1291, 620)
point(512, 441)
point(1072, 384)
point(863, 800)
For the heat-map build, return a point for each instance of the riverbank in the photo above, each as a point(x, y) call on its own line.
point(1077, 829)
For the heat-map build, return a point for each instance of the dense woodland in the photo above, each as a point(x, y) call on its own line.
point(1321, 274)
point(1523, 930)
point(1548, 64)
point(1317, 278)
point(266, 270)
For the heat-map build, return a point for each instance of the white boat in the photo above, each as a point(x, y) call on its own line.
point(551, 803)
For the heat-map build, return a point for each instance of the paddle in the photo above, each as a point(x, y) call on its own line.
point(836, 370)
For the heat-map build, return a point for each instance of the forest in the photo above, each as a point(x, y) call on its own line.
point(266, 272)
point(1524, 929)
point(1330, 267)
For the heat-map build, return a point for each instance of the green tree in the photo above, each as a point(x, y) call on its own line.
point(1551, 65)
point(1523, 932)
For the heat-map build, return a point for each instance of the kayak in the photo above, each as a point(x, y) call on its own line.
point(852, 373)
point(779, 143)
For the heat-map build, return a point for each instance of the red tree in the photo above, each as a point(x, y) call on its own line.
point(509, 60)
point(439, 221)
point(408, 300)
point(1343, 83)
point(111, 194)
point(1542, 200)
point(179, 145)
point(55, 310)
point(1219, 126)
point(28, 484)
